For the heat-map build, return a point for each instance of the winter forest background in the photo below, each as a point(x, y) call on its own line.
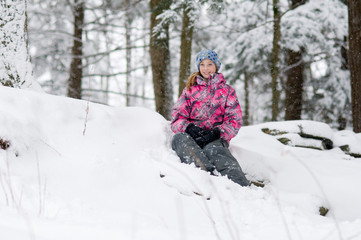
point(287, 59)
point(68, 168)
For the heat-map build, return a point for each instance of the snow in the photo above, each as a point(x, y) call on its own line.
point(304, 126)
point(347, 137)
point(80, 170)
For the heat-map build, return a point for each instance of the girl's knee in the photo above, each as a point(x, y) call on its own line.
point(219, 143)
point(179, 138)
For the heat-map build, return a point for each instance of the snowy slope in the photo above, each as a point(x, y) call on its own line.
point(78, 170)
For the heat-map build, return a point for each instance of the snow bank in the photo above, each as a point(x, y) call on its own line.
point(324, 174)
point(79, 170)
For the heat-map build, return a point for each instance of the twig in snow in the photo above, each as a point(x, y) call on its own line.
point(86, 116)
point(87, 105)
point(9, 182)
point(4, 189)
point(39, 184)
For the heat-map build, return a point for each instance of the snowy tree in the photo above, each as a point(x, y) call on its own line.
point(326, 97)
point(190, 10)
point(116, 51)
point(15, 66)
point(315, 27)
point(50, 41)
point(104, 66)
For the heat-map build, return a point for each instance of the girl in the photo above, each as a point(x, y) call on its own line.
point(205, 118)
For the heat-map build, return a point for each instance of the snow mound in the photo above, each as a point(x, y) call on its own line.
point(80, 170)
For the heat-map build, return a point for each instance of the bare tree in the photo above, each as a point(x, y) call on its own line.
point(160, 58)
point(76, 68)
point(354, 17)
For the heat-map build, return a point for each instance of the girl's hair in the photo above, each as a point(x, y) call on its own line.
point(192, 80)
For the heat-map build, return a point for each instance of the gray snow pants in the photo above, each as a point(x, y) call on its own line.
point(214, 155)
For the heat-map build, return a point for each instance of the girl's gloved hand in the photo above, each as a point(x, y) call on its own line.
point(208, 136)
point(194, 131)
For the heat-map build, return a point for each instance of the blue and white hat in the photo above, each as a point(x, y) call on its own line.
point(208, 54)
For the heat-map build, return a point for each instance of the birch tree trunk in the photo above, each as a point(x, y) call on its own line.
point(15, 66)
point(354, 18)
point(76, 68)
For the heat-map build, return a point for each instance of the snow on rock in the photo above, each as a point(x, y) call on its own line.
point(303, 127)
point(295, 140)
point(311, 134)
point(324, 174)
point(349, 142)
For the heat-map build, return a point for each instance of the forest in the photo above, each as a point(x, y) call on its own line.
point(287, 59)
point(86, 93)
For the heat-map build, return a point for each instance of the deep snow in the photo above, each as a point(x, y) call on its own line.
point(80, 170)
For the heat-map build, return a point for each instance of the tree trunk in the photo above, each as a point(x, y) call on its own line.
point(344, 55)
point(246, 116)
point(26, 32)
point(160, 59)
point(295, 79)
point(294, 85)
point(275, 58)
point(76, 70)
point(128, 23)
point(145, 60)
point(354, 17)
point(186, 49)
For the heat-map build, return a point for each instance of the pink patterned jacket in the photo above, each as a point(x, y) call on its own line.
point(208, 105)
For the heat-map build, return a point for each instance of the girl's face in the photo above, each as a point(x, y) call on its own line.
point(206, 68)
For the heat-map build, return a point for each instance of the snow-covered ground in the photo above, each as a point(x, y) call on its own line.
point(79, 170)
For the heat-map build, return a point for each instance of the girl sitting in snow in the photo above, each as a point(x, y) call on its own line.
point(205, 118)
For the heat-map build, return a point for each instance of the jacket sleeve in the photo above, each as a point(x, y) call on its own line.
point(180, 113)
point(232, 120)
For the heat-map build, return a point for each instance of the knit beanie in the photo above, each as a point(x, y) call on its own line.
point(208, 54)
